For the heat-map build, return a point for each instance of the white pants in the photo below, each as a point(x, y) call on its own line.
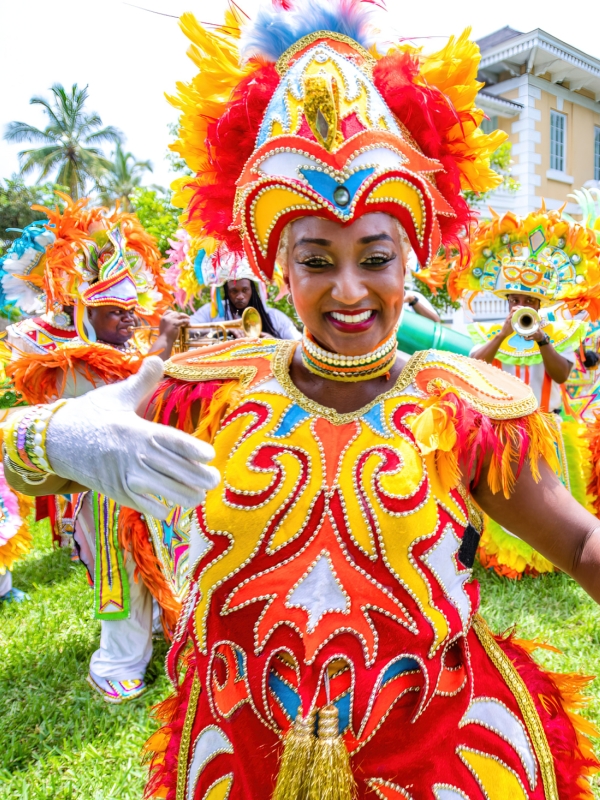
point(125, 644)
point(5, 582)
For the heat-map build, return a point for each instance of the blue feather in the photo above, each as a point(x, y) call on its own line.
point(274, 30)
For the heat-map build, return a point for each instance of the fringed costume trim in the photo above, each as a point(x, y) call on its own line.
point(161, 751)
point(134, 541)
point(40, 377)
point(196, 408)
point(464, 438)
point(508, 555)
point(558, 700)
point(593, 440)
point(15, 537)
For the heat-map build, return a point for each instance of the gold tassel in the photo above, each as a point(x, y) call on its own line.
point(330, 776)
point(298, 748)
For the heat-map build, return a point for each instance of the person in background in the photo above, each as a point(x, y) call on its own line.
point(554, 368)
point(113, 276)
point(547, 265)
point(415, 301)
point(115, 326)
point(240, 290)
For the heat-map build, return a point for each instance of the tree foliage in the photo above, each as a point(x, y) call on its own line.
point(68, 147)
point(122, 179)
point(16, 199)
point(157, 215)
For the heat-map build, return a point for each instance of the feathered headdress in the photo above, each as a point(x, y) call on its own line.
point(85, 257)
point(542, 254)
point(300, 114)
point(22, 272)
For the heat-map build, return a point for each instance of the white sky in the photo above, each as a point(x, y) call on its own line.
point(130, 57)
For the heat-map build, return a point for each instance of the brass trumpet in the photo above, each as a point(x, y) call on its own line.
point(526, 321)
point(250, 322)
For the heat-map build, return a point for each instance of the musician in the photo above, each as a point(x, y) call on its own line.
point(556, 366)
point(240, 290)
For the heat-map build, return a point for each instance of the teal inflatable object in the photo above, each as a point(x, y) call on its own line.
point(419, 333)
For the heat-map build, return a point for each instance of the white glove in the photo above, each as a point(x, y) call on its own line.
point(98, 440)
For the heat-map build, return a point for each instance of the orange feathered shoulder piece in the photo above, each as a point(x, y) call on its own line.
point(41, 378)
point(473, 413)
point(203, 383)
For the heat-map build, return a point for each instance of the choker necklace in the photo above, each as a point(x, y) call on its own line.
point(336, 367)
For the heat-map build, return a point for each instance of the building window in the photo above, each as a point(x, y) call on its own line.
point(558, 126)
point(489, 125)
point(597, 154)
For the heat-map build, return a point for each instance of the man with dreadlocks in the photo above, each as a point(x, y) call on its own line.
point(234, 288)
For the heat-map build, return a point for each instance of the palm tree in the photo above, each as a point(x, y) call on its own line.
point(68, 144)
point(119, 182)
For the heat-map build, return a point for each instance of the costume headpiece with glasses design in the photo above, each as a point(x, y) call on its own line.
point(541, 255)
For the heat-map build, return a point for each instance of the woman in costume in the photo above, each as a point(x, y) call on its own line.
point(329, 644)
point(545, 263)
point(106, 269)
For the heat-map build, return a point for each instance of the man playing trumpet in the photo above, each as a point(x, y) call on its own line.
point(545, 267)
point(545, 377)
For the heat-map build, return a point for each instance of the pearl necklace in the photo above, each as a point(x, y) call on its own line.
point(337, 367)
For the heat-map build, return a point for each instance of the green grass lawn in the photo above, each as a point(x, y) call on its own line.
point(58, 741)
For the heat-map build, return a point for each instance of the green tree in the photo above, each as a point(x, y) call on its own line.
point(16, 199)
point(119, 183)
point(155, 212)
point(440, 299)
point(68, 147)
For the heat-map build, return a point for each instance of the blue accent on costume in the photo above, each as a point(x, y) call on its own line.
point(198, 266)
point(288, 698)
point(292, 417)
point(240, 663)
point(325, 185)
point(343, 706)
point(375, 420)
point(519, 342)
point(397, 668)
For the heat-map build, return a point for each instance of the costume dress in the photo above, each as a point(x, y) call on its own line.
point(333, 546)
point(556, 261)
point(333, 561)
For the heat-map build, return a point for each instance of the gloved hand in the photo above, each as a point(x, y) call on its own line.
point(99, 441)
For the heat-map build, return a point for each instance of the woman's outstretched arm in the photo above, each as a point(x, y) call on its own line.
point(547, 516)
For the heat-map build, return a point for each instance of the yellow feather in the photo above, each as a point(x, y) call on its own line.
point(453, 70)
point(203, 99)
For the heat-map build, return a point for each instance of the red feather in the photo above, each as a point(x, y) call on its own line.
point(425, 111)
point(230, 142)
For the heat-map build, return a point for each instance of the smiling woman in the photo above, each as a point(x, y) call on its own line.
point(330, 646)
